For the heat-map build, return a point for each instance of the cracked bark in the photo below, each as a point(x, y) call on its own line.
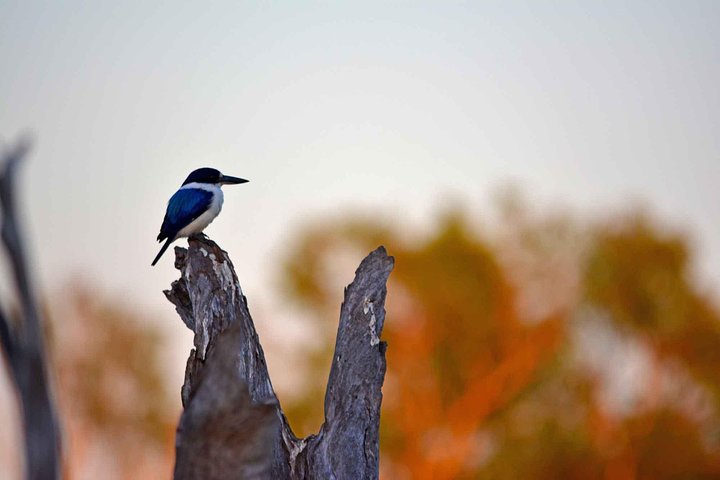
point(233, 425)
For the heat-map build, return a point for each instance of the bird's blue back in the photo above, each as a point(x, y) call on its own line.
point(185, 206)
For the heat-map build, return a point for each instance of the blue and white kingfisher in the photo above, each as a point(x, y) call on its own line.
point(194, 205)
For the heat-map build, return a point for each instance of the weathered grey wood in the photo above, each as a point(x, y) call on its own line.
point(226, 432)
point(209, 300)
point(347, 445)
point(23, 342)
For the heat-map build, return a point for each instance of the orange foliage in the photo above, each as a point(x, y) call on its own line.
point(478, 384)
point(542, 351)
point(118, 421)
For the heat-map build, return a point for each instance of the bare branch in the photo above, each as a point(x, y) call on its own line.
point(7, 340)
point(24, 347)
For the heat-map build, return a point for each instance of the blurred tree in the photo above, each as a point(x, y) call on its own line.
point(498, 363)
point(118, 418)
point(643, 279)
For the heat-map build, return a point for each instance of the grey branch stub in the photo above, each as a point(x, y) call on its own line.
point(233, 425)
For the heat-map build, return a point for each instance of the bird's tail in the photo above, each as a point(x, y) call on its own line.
point(162, 250)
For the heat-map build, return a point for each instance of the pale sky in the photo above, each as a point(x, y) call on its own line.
point(331, 105)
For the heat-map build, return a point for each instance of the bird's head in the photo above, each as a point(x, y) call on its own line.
point(213, 177)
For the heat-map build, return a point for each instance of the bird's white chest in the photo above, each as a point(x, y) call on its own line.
point(200, 223)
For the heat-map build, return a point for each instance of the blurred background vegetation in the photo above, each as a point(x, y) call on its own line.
point(522, 344)
point(543, 347)
point(525, 340)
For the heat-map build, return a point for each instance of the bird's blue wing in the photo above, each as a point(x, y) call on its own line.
point(185, 206)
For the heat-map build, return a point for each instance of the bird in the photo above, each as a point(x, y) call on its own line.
point(194, 206)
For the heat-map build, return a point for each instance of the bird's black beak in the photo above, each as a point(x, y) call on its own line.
point(228, 180)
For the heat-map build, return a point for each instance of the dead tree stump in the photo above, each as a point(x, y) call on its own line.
point(233, 425)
